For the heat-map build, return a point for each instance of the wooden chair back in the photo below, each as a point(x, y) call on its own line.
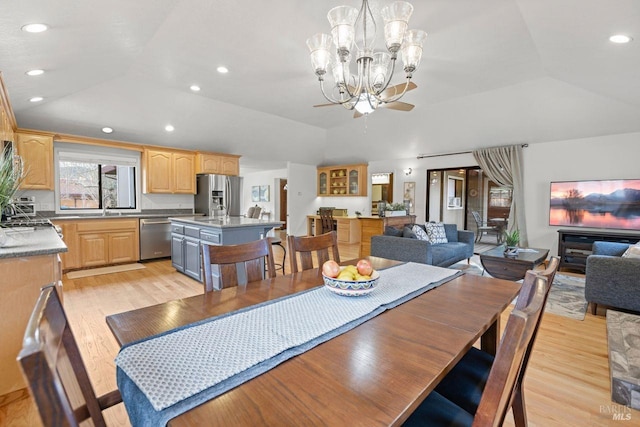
point(528, 291)
point(307, 246)
point(54, 371)
point(235, 265)
point(504, 376)
point(326, 220)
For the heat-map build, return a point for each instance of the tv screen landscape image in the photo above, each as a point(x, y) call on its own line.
point(599, 204)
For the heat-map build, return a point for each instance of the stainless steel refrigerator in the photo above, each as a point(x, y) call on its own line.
point(218, 195)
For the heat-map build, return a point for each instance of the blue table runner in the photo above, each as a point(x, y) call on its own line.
point(163, 376)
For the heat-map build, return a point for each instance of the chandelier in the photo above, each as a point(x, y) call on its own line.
point(369, 88)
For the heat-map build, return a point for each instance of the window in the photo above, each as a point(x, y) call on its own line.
point(89, 180)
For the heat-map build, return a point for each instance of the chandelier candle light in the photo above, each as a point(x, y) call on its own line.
point(369, 89)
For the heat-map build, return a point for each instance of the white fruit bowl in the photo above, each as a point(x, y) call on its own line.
point(351, 288)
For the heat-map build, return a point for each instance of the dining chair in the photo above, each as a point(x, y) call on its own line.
point(482, 227)
point(465, 383)
point(500, 386)
point(307, 246)
point(326, 220)
point(224, 266)
point(54, 371)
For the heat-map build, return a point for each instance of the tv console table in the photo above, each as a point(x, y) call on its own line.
point(574, 246)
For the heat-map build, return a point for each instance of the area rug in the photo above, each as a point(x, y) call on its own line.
point(566, 297)
point(104, 270)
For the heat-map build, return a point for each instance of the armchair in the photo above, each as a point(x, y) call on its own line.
point(610, 279)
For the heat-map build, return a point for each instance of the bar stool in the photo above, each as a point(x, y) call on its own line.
point(276, 240)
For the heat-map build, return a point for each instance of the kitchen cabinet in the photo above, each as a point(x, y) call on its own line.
point(69, 259)
point(339, 181)
point(185, 250)
point(37, 159)
point(170, 172)
point(220, 164)
point(98, 242)
point(372, 226)
point(23, 276)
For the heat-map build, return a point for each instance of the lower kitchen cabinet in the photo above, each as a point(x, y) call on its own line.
point(185, 251)
point(97, 242)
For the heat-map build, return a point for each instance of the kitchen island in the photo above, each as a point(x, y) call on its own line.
point(29, 260)
point(189, 233)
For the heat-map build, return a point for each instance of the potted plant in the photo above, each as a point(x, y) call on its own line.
point(10, 179)
point(396, 209)
point(511, 240)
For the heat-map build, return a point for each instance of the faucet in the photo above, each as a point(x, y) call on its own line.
point(104, 205)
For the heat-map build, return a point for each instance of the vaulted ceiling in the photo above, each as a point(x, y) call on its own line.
point(493, 72)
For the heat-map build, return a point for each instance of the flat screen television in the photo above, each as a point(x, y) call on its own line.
point(599, 204)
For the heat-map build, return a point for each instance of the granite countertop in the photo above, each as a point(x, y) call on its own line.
point(31, 241)
point(226, 222)
point(144, 214)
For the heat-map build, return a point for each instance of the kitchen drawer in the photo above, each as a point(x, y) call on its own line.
point(210, 238)
point(192, 231)
point(178, 229)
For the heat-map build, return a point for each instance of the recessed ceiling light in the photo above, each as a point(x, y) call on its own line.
point(222, 70)
point(35, 28)
point(34, 72)
point(169, 128)
point(107, 130)
point(620, 38)
point(36, 99)
point(195, 88)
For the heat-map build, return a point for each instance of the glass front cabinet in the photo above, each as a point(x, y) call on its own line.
point(348, 180)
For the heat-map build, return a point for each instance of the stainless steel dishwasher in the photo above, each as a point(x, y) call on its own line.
point(155, 238)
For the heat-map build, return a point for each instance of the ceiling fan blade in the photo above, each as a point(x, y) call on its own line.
point(394, 90)
point(397, 105)
point(325, 105)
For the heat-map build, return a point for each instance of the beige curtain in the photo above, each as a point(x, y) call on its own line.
point(503, 165)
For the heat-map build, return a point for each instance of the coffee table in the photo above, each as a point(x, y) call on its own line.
point(498, 265)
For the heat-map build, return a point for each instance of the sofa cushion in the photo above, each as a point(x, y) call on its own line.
point(408, 232)
point(451, 230)
point(392, 231)
point(632, 251)
point(419, 232)
point(436, 232)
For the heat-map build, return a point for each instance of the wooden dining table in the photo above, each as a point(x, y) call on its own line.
point(374, 374)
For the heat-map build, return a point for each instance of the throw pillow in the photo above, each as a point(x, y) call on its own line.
point(408, 232)
point(632, 251)
point(419, 232)
point(436, 233)
point(392, 231)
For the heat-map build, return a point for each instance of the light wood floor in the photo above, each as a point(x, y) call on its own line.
point(567, 383)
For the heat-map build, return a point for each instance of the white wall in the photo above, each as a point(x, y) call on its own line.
point(604, 157)
point(301, 197)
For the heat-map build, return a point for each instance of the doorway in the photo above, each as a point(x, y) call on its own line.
point(454, 194)
point(381, 190)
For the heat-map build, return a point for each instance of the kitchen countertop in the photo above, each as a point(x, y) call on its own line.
point(144, 214)
point(226, 222)
point(31, 241)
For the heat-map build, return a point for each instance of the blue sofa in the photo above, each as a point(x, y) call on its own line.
point(610, 279)
point(410, 249)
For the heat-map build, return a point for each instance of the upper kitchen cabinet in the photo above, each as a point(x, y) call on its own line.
point(219, 164)
point(37, 158)
point(348, 180)
point(168, 171)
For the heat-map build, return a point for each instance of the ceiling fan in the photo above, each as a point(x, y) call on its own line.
point(388, 93)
